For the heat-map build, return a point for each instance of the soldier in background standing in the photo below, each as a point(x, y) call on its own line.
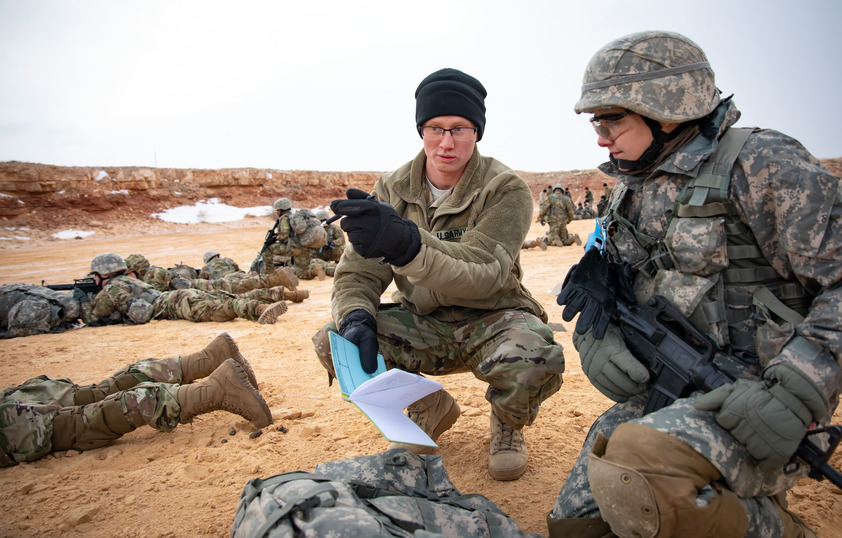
point(557, 212)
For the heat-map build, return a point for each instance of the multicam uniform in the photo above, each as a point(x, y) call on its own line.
point(147, 392)
point(277, 254)
point(332, 251)
point(472, 313)
point(128, 300)
point(218, 268)
point(787, 239)
point(557, 211)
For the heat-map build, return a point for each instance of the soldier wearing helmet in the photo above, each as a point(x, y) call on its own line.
point(216, 266)
point(739, 229)
point(276, 248)
point(126, 299)
point(332, 250)
point(557, 211)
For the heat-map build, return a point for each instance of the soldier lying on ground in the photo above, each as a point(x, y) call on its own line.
point(45, 415)
point(125, 299)
point(238, 282)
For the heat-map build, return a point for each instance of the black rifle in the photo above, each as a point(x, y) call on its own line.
point(680, 359)
point(271, 236)
point(88, 285)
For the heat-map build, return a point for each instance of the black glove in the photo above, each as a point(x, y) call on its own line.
point(360, 328)
point(376, 230)
point(80, 295)
point(591, 289)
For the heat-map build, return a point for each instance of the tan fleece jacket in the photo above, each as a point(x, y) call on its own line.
point(469, 260)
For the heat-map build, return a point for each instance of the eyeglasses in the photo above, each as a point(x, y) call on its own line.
point(603, 125)
point(458, 133)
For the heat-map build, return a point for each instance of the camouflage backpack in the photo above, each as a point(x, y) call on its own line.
point(307, 229)
point(27, 309)
point(393, 493)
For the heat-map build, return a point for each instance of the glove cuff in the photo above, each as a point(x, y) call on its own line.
point(358, 317)
point(412, 238)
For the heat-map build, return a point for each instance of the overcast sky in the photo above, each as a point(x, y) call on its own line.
point(329, 85)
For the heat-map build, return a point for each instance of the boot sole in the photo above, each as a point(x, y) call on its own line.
point(270, 316)
point(239, 359)
point(266, 420)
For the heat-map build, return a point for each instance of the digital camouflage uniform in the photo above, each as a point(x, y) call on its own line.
point(473, 314)
point(26, 309)
point(789, 214)
point(557, 211)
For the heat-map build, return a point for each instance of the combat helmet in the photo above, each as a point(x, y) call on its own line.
point(108, 263)
point(659, 75)
point(558, 187)
point(137, 263)
point(322, 215)
point(209, 255)
point(282, 204)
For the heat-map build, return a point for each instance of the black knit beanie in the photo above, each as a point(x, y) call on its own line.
point(450, 92)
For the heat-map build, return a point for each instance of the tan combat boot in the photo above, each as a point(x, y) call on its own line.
point(434, 414)
point(269, 312)
point(507, 459)
point(226, 389)
point(203, 363)
point(282, 277)
point(296, 296)
point(319, 271)
point(577, 239)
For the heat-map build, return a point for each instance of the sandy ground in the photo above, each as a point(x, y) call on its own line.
point(187, 482)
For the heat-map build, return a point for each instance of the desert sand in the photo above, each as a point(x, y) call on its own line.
point(187, 482)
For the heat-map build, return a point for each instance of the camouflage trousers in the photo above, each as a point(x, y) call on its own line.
point(511, 350)
point(237, 283)
point(276, 255)
point(197, 305)
point(558, 234)
point(698, 429)
point(147, 391)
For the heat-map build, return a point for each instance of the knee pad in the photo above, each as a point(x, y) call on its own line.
point(648, 483)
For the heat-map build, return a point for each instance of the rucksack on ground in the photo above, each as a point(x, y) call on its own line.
point(393, 493)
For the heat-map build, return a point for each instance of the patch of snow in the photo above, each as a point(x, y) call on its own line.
point(211, 211)
point(72, 234)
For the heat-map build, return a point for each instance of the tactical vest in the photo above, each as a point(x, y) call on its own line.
point(723, 283)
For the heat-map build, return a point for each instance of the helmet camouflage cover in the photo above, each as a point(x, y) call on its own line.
point(137, 263)
point(660, 75)
point(558, 187)
point(209, 255)
point(322, 215)
point(282, 204)
point(108, 263)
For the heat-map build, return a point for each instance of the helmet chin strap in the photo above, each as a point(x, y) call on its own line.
point(653, 152)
